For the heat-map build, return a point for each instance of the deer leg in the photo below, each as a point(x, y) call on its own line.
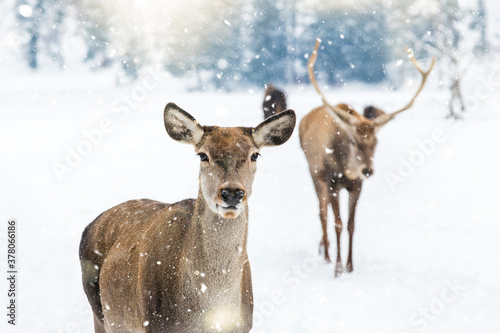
point(334, 201)
point(353, 202)
point(93, 294)
point(322, 192)
point(98, 324)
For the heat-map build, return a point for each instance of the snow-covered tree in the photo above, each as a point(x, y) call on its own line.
point(208, 43)
point(95, 30)
point(479, 23)
point(114, 34)
point(451, 30)
point(225, 43)
point(40, 27)
point(354, 45)
point(268, 51)
point(455, 43)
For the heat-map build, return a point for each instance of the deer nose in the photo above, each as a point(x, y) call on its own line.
point(367, 172)
point(232, 197)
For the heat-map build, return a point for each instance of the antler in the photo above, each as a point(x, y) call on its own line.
point(338, 112)
point(384, 119)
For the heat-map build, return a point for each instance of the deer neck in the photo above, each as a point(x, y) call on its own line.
point(213, 259)
point(220, 246)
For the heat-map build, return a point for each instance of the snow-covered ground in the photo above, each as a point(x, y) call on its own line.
point(426, 253)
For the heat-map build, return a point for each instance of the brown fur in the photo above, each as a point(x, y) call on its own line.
point(339, 144)
point(274, 101)
point(149, 266)
point(337, 153)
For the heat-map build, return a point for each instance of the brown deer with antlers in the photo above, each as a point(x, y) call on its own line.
point(339, 145)
point(149, 266)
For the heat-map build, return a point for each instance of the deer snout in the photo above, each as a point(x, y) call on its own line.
point(367, 172)
point(232, 197)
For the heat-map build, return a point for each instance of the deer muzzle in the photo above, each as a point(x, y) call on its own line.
point(367, 172)
point(231, 201)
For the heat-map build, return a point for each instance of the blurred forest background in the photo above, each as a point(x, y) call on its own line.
point(238, 44)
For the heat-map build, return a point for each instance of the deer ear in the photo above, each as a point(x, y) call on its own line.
point(275, 130)
point(371, 112)
point(181, 126)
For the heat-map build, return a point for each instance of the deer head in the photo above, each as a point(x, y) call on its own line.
point(228, 155)
point(355, 152)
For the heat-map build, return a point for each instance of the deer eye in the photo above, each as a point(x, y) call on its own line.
point(203, 157)
point(254, 157)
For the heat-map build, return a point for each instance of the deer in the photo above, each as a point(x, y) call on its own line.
point(339, 145)
point(149, 266)
point(274, 101)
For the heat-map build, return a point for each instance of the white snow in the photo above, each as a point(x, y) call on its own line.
point(426, 250)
